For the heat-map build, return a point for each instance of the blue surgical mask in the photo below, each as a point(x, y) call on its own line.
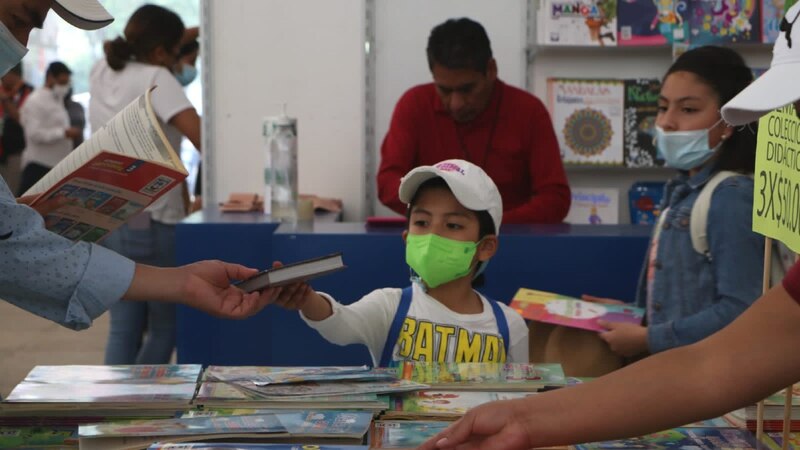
point(11, 50)
point(187, 74)
point(685, 150)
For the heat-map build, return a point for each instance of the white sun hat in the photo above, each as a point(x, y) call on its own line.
point(85, 14)
point(778, 86)
point(471, 186)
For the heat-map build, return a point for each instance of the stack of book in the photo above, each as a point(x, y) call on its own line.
point(773, 413)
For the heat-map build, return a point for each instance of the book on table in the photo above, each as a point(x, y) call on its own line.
point(483, 376)
point(293, 273)
point(560, 309)
point(121, 169)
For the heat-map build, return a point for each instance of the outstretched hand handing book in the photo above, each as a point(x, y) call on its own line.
point(293, 273)
point(121, 169)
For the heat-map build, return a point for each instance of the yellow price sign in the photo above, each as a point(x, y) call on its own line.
point(776, 200)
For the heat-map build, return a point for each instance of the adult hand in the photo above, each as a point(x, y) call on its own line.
point(493, 426)
point(601, 300)
point(625, 339)
point(47, 206)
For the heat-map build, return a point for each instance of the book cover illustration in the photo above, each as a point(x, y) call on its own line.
point(404, 433)
point(559, 309)
point(724, 21)
point(588, 119)
point(641, 109)
point(685, 438)
point(652, 22)
point(448, 403)
point(38, 437)
point(593, 206)
point(771, 16)
point(483, 376)
point(31, 392)
point(312, 389)
point(270, 373)
point(135, 374)
point(774, 441)
point(227, 396)
point(578, 22)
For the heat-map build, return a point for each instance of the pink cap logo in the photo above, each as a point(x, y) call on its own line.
point(450, 167)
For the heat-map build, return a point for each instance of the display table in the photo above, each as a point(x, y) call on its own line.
point(600, 260)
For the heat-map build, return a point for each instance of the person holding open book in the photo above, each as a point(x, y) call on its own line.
point(454, 214)
point(143, 58)
point(737, 366)
point(691, 292)
point(73, 283)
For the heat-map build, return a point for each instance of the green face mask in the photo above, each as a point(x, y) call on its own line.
point(438, 260)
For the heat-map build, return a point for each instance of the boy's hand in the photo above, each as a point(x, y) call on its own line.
point(292, 296)
point(625, 339)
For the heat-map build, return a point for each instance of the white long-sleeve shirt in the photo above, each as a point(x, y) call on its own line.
point(431, 331)
point(45, 120)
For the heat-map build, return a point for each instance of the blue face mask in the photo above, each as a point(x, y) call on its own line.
point(187, 74)
point(685, 150)
point(11, 50)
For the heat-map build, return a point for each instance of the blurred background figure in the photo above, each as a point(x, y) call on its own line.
point(13, 93)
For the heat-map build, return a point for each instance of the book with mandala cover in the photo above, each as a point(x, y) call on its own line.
point(641, 109)
point(443, 405)
point(685, 438)
point(724, 22)
point(652, 23)
point(134, 374)
point(483, 376)
point(771, 16)
point(588, 119)
point(578, 22)
point(559, 309)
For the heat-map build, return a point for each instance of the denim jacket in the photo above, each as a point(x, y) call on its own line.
point(695, 295)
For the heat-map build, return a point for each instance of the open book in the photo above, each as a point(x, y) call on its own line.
point(293, 273)
point(123, 168)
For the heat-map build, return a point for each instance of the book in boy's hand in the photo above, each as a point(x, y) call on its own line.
point(293, 273)
point(559, 309)
point(121, 169)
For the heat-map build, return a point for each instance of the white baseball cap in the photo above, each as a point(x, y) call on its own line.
point(471, 186)
point(778, 86)
point(85, 14)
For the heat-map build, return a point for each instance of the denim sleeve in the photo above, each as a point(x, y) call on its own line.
point(50, 276)
point(737, 267)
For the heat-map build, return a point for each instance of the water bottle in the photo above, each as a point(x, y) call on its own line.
point(281, 175)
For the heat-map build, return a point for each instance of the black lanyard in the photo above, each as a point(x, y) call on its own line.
point(491, 134)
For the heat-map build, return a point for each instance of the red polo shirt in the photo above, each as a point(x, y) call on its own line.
point(523, 157)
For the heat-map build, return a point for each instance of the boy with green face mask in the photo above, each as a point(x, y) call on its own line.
point(454, 214)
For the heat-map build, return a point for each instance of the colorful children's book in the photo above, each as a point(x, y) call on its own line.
point(38, 437)
point(724, 22)
point(685, 438)
point(443, 405)
point(641, 109)
point(247, 446)
point(483, 376)
point(311, 389)
point(774, 441)
point(588, 119)
point(652, 22)
point(350, 425)
point(97, 394)
point(593, 206)
point(224, 395)
point(771, 16)
point(578, 22)
point(121, 169)
point(262, 376)
point(403, 433)
point(559, 309)
point(138, 374)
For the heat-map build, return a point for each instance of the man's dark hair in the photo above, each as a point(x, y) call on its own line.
point(56, 69)
point(459, 44)
point(189, 48)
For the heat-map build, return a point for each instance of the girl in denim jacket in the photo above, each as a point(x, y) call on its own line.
point(689, 295)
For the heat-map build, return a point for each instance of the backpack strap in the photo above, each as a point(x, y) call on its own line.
point(502, 324)
point(397, 325)
point(698, 224)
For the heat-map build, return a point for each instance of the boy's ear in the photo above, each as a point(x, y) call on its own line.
point(405, 235)
point(488, 247)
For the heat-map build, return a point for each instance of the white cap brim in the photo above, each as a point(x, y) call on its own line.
point(414, 180)
point(84, 14)
point(777, 87)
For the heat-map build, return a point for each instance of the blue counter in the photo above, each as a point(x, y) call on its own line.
point(601, 260)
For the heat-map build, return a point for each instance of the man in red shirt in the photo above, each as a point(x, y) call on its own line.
point(468, 113)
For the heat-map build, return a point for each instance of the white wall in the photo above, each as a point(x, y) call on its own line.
point(401, 36)
point(306, 53)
